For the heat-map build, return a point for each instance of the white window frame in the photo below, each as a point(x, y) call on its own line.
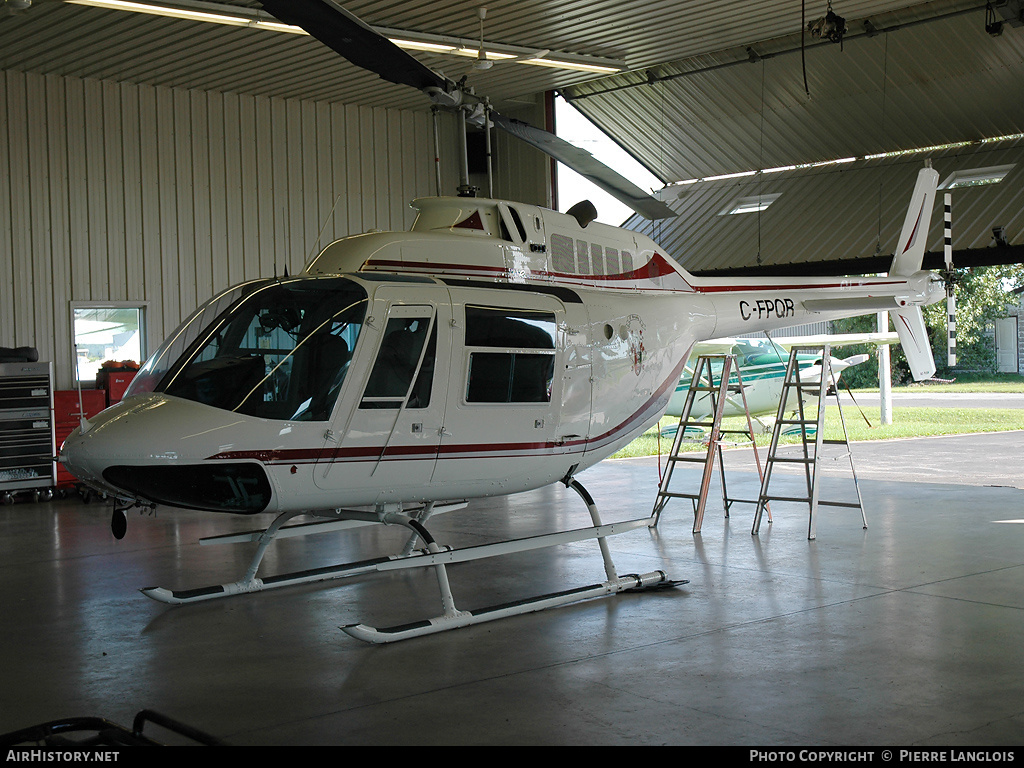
point(976, 177)
point(749, 204)
point(141, 306)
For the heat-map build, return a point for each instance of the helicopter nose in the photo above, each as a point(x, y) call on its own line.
point(155, 449)
point(93, 446)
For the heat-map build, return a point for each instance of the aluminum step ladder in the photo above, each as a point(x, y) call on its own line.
point(797, 383)
point(703, 383)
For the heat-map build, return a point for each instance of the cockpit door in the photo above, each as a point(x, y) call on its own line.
point(382, 444)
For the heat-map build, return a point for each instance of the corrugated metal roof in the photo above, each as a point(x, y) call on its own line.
point(919, 85)
point(53, 37)
point(838, 213)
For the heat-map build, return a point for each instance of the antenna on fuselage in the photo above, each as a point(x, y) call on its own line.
point(320, 234)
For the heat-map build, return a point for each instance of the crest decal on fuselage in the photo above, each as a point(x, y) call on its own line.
point(634, 337)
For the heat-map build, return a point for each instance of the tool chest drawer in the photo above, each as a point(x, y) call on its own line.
point(27, 447)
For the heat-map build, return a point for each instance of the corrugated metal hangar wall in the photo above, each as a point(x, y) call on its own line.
point(116, 192)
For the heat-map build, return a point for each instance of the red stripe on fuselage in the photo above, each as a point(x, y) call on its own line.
point(465, 451)
point(657, 267)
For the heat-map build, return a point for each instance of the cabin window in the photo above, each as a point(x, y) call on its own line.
point(511, 355)
point(517, 220)
point(402, 358)
point(280, 352)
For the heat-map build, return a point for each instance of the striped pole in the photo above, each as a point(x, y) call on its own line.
point(950, 292)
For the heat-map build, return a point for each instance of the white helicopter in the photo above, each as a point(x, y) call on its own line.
point(762, 367)
point(495, 348)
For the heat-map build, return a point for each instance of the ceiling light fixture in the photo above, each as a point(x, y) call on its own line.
point(992, 175)
point(218, 13)
point(976, 177)
point(751, 204)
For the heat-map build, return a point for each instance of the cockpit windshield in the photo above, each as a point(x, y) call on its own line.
point(280, 352)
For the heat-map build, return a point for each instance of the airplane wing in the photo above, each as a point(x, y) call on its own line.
point(713, 347)
point(838, 339)
point(724, 345)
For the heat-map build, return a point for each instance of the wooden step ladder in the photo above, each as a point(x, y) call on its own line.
point(703, 382)
point(811, 458)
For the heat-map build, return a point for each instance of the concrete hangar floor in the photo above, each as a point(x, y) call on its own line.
point(906, 633)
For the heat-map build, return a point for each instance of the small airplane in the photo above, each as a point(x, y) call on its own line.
point(495, 348)
point(762, 367)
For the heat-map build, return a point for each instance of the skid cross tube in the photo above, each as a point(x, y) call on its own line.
point(452, 618)
point(278, 530)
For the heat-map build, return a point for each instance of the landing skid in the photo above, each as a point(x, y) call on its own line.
point(453, 618)
point(630, 583)
point(433, 556)
point(278, 530)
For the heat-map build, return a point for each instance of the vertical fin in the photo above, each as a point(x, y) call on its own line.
point(913, 334)
point(914, 237)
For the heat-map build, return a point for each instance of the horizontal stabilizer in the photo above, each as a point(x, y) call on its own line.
point(910, 248)
point(837, 339)
point(913, 335)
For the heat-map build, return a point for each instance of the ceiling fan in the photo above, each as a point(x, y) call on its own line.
point(485, 60)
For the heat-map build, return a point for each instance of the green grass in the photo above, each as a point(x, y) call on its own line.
point(999, 382)
point(907, 422)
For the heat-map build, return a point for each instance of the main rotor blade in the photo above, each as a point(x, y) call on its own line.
point(353, 39)
point(586, 165)
point(362, 45)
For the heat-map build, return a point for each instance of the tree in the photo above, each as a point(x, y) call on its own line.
point(982, 295)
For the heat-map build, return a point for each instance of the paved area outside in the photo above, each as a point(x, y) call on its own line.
point(924, 399)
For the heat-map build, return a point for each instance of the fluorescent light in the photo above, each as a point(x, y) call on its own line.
point(218, 13)
point(475, 52)
point(729, 176)
point(575, 65)
point(414, 45)
point(159, 10)
point(277, 26)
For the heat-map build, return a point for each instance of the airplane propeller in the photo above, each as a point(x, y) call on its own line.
point(356, 41)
